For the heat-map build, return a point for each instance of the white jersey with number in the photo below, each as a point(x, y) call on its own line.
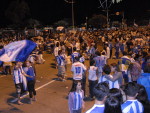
point(77, 69)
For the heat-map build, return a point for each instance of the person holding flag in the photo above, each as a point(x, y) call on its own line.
point(19, 80)
point(29, 69)
point(18, 51)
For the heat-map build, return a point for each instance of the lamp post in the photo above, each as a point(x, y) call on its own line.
point(72, 4)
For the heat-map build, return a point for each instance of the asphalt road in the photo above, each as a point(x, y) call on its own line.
point(51, 94)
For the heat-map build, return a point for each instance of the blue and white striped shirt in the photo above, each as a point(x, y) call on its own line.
point(18, 76)
point(112, 84)
point(132, 106)
point(60, 60)
point(77, 101)
point(97, 109)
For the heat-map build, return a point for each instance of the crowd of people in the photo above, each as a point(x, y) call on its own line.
point(121, 85)
point(118, 74)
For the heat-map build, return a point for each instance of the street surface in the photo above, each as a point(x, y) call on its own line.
point(51, 94)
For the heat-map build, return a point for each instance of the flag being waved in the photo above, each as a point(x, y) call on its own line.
point(17, 51)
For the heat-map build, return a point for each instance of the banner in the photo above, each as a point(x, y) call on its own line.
point(17, 51)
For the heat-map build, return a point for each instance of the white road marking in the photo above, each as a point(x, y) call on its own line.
point(23, 96)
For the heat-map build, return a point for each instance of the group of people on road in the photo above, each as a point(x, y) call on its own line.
point(118, 74)
point(24, 78)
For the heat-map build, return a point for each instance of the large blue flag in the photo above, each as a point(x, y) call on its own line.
point(17, 51)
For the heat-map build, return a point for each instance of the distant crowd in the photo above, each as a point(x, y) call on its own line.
point(118, 75)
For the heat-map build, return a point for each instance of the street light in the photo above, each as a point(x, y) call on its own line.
point(72, 4)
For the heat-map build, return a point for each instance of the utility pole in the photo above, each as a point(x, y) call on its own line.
point(72, 4)
point(106, 4)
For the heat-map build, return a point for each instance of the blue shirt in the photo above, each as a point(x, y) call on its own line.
point(100, 62)
point(97, 109)
point(92, 51)
point(30, 71)
point(145, 81)
point(117, 47)
point(122, 47)
point(132, 106)
point(110, 46)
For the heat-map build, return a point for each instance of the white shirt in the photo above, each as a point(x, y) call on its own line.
point(56, 51)
point(92, 73)
point(77, 69)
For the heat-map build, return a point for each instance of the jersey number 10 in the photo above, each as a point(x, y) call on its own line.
point(78, 70)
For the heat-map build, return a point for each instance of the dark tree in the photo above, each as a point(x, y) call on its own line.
point(98, 21)
point(17, 11)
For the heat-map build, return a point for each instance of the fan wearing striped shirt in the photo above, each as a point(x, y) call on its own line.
point(106, 78)
point(18, 76)
point(101, 91)
point(75, 100)
point(132, 105)
point(61, 66)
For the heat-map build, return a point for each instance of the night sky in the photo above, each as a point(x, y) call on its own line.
point(50, 11)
